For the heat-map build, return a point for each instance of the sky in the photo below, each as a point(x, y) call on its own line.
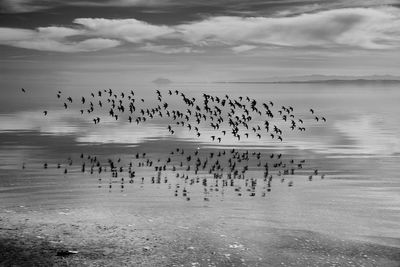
point(81, 43)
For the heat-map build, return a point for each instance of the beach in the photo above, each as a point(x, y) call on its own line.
point(185, 234)
point(338, 207)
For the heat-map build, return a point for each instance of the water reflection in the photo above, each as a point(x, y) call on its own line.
point(357, 150)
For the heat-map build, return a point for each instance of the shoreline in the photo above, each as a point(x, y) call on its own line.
point(33, 238)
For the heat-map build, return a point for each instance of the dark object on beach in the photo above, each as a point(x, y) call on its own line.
point(66, 253)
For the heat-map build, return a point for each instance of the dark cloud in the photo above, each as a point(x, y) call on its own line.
point(210, 7)
point(35, 13)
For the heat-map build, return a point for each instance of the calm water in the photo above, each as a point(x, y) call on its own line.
point(358, 150)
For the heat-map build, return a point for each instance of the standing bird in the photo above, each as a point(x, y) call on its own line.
point(23, 90)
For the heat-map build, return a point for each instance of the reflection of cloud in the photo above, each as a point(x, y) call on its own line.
point(60, 123)
point(371, 135)
point(367, 28)
point(121, 133)
point(54, 123)
point(364, 135)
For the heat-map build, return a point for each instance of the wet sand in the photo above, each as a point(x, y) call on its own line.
point(177, 233)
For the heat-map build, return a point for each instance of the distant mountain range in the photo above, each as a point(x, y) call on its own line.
point(327, 79)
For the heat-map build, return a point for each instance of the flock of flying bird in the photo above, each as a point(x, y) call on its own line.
point(241, 117)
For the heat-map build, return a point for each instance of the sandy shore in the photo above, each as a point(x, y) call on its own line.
point(191, 236)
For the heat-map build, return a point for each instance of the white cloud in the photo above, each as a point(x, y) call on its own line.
point(53, 39)
point(56, 46)
point(356, 27)
point(95, 44)
point(291, 11)
point(164, 49)
point(54, 32)
point(11, 34)
point(243, 48)
point(131, 30)
point(366, 28)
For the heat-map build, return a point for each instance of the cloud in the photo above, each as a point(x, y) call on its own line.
point(53, 39)
point(131, 30)
point(302, 7)
point(243, 48)
point(22, 6)
point(10, 35)
point(53, 32)
point(164, 49)
point(355, 27)
point(365, 28)
point(282, 7)
point(19, 6)
point(95, 44)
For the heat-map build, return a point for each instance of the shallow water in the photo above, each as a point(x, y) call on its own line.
point(358, 150)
